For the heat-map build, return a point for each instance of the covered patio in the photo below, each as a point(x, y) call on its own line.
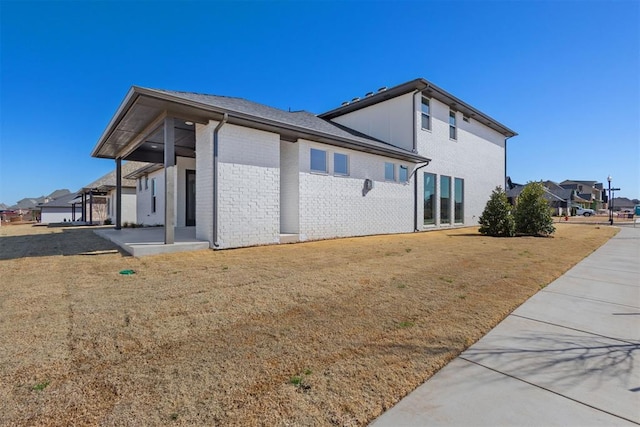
point(147, 128)
point(150, 240)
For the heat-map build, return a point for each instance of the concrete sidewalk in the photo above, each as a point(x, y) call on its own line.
point(569, 356)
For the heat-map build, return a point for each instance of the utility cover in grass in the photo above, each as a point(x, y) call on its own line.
point(127, 272)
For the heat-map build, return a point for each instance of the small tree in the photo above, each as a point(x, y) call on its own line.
point(532, 212)
point(496, 219)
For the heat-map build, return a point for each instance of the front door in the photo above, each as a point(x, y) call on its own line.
point(190, 217)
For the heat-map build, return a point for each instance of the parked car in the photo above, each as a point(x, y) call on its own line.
point(584, 211)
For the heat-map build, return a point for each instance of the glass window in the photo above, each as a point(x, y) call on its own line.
point(140, 184)
point(153, 195)
point(318, 160)
point(452, 125)
point(146, 182)
point(445, 197)
point(429, 198)
point(340, 164)
point(426, 114)
point(389, 171)
point(403, 174)
point(458, 195)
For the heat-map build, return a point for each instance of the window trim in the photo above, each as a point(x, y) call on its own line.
point(434, 194)
point(400, 168)
point(153, 196)
point(455, 195)
point(445, 221)
point(423, 114)
point(346, 156)
point(326, 165)
point(393, 171)
point(453, 126)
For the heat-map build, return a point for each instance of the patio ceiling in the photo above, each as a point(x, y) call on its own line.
point(136, 131)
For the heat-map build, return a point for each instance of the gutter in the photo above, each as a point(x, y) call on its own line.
point(214, 239)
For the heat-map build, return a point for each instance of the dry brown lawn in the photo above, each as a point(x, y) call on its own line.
point(322, 333)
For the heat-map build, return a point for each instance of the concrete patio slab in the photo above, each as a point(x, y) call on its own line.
point(150, 240)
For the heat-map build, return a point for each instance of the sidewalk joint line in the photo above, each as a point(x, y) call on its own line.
point(589, 299)
point(549, 390)
point(575, 329)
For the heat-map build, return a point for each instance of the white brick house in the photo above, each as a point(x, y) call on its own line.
point(409, 158)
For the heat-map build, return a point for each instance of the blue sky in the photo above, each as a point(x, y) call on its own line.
point(565, 75)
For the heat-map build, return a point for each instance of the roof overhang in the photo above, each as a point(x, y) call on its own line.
point(139, 119)
point(145, 170)
point(428, 89)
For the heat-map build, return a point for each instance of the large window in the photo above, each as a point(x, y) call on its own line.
point(318, 160)
point(403, 174)
point(453, 132)
point(429, 198)
point(153, 195)
point(426, 113)
point(445, 199)
point(458, 196)
point(389, 171)
point(340, 164)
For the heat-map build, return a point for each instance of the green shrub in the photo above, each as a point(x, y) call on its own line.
point(532, 213)
point(496, 219)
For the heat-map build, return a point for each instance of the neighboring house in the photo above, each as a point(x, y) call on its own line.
point(620, 203)
point(409, 158)
point(98, 199)
point(561, 199)
point(60, 209)
point(591, 191)
point(28, 209)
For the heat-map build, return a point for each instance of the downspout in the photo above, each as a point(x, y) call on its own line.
point(505, 162)
point(225, 117)
point(415, 150)
point(415, 196)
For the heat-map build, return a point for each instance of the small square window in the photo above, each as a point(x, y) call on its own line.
point(340, 164)
point(318, 160)
point(389, 171)
point(403, 174)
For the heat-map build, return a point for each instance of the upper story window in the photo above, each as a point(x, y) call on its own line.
point(453, 131)
point(403, 174)
point(340, 164)
point(318, 160)
point(389, 171)
point(426, 114)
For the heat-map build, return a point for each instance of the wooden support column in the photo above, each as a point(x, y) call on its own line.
point(118, 194)
point(169, 180)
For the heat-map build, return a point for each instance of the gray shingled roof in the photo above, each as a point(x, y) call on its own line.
point(60, 202)
point(299, 119)
point(109, 180)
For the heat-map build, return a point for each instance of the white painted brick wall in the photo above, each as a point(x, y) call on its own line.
point(129, 205)
point(289, 187)
point(204, 181)
point(143, 201)
point(334, 206)
point(477, 156)
point(249, 187)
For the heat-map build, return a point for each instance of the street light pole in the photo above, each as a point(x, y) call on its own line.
point(609, 202)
